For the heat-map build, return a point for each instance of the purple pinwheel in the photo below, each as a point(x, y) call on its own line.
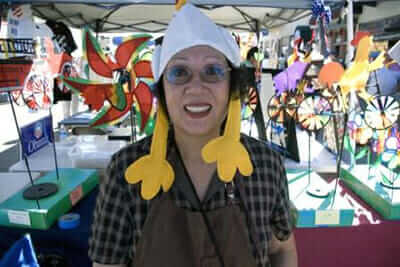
point(288, 79)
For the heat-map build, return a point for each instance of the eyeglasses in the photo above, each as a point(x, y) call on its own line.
point(211, 73)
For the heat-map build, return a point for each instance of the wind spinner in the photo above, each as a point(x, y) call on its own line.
point(130, 74)
point(381, 115)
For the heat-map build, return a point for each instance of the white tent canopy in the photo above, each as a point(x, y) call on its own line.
point(154, 15)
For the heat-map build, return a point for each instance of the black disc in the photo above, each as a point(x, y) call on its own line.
point(39, 191)
point(318, 192)
point(391, 185)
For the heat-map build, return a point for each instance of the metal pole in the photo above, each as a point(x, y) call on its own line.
point(350, 32)
point(309, 158)
point(20, 140)
point(133, 123)
point(258, 114)
point(54, 144)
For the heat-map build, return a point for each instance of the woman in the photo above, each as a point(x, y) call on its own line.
point(224, 199)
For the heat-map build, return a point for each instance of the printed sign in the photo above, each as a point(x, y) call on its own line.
point(19, 217)
point(76, 195)
point(327, 217)
point(36, 135)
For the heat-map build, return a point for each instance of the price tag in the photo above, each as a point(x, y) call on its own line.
point(327, 217)
point(76, 195)
point(19, 217)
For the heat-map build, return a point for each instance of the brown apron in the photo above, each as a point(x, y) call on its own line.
point(173, 236)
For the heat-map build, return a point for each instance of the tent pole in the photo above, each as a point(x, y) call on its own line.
point(350, 32)
point(258, 114)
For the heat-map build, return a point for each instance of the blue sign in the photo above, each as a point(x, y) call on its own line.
point(36, 135)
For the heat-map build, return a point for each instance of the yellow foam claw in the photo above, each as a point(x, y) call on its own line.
point(229, 155)
point(227, 150)
point(153, 170)
point(153, 173)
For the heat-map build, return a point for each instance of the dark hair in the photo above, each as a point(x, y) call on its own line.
point(251, 52)
point(238, 87)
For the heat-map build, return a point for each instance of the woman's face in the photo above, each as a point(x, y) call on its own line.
point(197, 107)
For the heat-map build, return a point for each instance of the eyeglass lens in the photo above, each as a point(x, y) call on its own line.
point(181, 74)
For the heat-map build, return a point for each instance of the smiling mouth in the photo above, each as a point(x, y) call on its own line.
point(197, 108)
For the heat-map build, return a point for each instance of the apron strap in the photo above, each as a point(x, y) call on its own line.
point(254, 236)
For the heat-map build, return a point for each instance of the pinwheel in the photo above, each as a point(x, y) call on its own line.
point(130, 74)
point(358, 130)
point(37, 91)
point(314, 112)
point(249, 104)
point(17, 97)
point(67, 70)
point(382, 112)
point(38, 85)
point(279, 105)
point(391, 154)
point(251, 100)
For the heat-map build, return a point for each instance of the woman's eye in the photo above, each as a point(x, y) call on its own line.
point(179, 72)
point(213, 70)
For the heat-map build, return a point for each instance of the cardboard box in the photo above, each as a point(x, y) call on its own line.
point(73, 185)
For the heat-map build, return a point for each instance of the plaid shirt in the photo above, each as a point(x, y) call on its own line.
point(120, 211)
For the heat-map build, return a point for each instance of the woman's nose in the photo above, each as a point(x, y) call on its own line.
point(196, 80)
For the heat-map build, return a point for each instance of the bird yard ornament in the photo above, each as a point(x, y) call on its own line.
point(355, 77)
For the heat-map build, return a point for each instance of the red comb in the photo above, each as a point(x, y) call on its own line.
point(358, 37)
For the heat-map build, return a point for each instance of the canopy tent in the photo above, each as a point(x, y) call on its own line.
point(153, 15)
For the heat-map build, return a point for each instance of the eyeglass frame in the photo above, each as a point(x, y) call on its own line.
point(225, 69)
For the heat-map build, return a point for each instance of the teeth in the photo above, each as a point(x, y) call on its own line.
point(196, 109)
